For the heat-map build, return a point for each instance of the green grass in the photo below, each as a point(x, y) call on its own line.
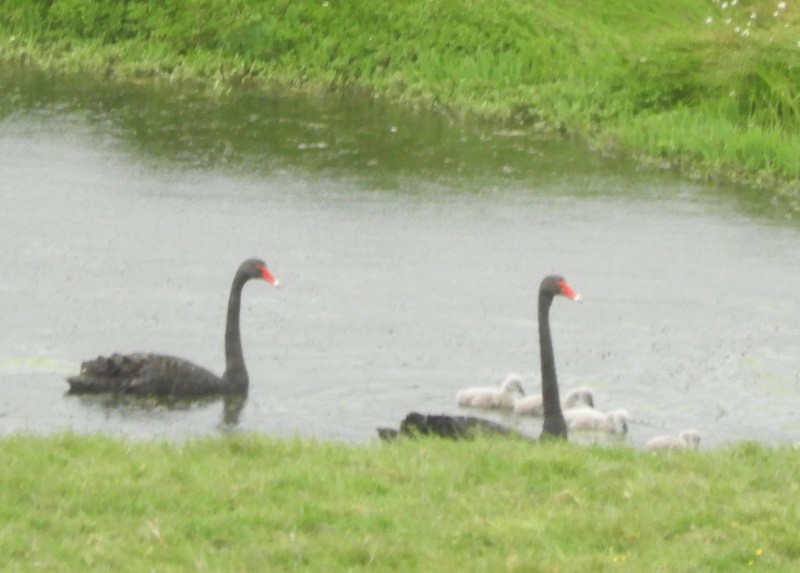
point(249, 503)
point(698, 84)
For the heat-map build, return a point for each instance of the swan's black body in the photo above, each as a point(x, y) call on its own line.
point(455, 427)
point(466, 426)
point(160, 375)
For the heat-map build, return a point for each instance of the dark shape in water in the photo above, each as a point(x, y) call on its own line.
point(147, 374)
point(134, 405)
point(464, 426)
point(455, 427)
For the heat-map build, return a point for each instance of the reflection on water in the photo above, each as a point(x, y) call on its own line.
point(410, 248)
point(144, 408)
point(329, 135)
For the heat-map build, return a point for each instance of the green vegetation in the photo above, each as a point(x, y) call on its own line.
point(247, 503)
point(711, 86)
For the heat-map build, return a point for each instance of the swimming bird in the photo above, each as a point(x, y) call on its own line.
point(488, 397)
point(589, 419)
point(445, 426)
point(162, 375)
point(532, 405)
point(686, 440)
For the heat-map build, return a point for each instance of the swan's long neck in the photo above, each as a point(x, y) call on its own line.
point(235, 372)
point(554, 424)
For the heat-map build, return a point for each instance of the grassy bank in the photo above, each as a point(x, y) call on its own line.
point(258, 504)
point(710, 87)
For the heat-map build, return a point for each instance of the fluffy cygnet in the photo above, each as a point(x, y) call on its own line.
point(489, 397)
point(589, 419)
point(532, 405)
point(686, 440)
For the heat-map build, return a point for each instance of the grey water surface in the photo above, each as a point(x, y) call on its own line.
point(410, 248)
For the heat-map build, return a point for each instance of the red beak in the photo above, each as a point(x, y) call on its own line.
point(268, 276)
point(567, 291)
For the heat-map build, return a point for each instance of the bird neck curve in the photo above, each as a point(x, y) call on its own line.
point(235, 371)
point(554, 424)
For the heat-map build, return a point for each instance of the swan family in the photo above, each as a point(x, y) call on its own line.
point(151, 374)
point(577, 406)
point(553, 424)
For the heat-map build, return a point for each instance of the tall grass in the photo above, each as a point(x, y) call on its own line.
point(258, 504)
point(649, 78)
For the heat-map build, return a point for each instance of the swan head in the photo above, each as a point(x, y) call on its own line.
point(413, 424)
point(512, 384)
point(620, 419)
point(691, 437)
point(557, 285)
point(257, 269)
point(577, 396)
point(567, 291)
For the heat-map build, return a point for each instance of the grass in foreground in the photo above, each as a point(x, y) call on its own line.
point(709, 85)
point(249, 503)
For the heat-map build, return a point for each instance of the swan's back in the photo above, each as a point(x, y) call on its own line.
point(583, 419)
point(145, 374)
point(529, 406)
point(589, 419)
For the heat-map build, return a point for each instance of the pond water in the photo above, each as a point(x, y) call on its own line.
point(410, 248)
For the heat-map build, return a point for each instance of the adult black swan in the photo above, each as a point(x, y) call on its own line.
point(159, 375)
point(466, 426)
point(445, 426)
point(554, 424)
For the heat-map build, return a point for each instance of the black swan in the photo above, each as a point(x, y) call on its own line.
point(445, 426)
point(160, 375)
point(465, 426)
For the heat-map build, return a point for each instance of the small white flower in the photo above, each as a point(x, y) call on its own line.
point(745, 32)
point(781, 5)
point(724, 5)
point(709, 20)
point(753, 15)
point(727, 21)
point(737, 29)
point(775, 13)
point(734, 2)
